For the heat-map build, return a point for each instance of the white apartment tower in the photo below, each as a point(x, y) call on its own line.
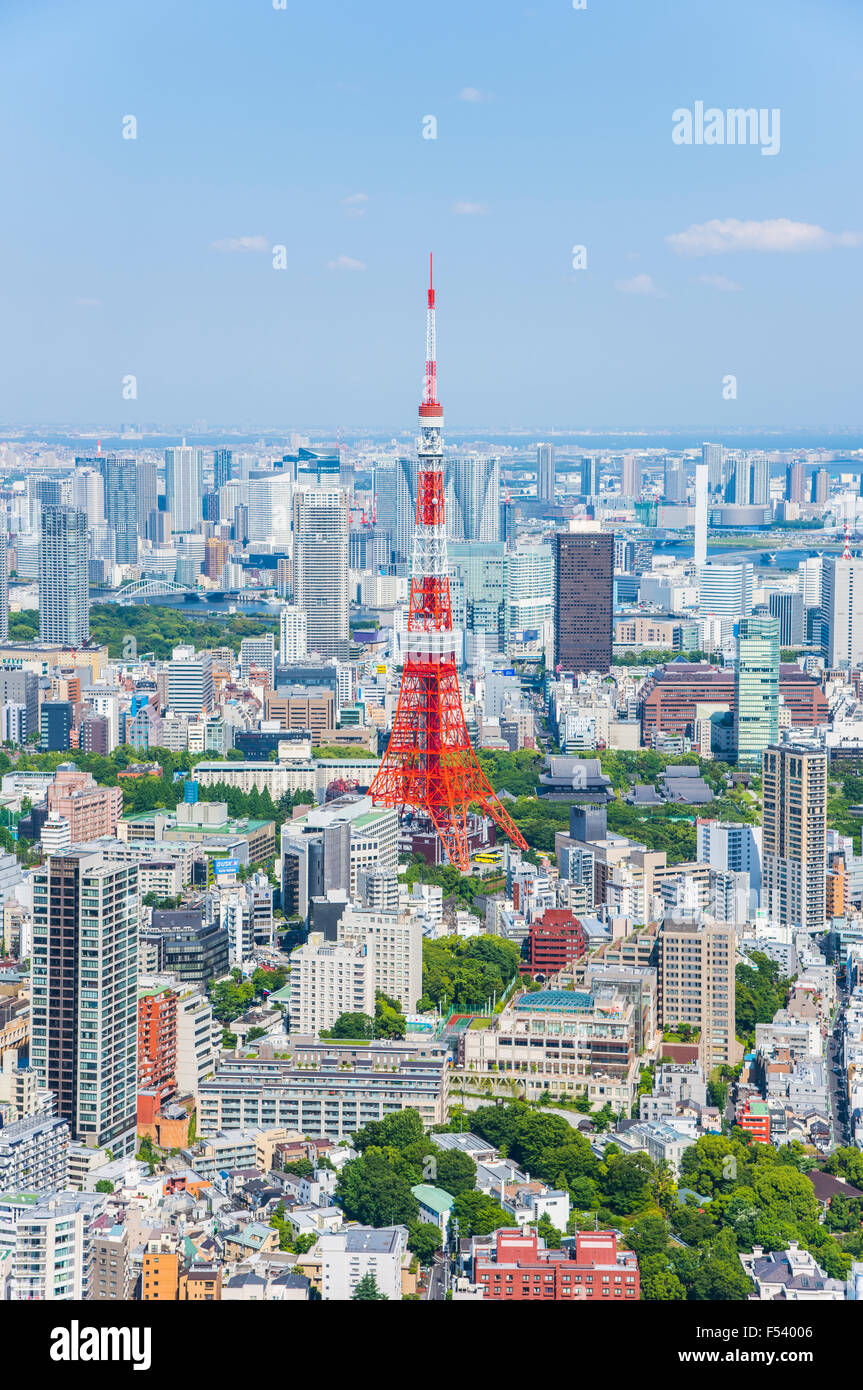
point(321, 567)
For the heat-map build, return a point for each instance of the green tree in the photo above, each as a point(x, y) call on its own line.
point(424, 1239)
point(367, 1291)
point(478, 1214)
point(370, 1189)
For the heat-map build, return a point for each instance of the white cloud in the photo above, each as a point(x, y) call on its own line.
point(719, 282)
point(717, 237)
point(640, 284)
point(471, 94)
point(469, 209)
point(345, 263)
point(241, 243)
point(355, 205)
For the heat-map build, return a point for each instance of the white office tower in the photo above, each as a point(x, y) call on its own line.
point(64, 577)
point(293, 634)
point(184, 485)
point(4, 581)
point(329, 980)
point(270, 508)
point(259, 652)
point(321, 567)
point(732, 849)
point(88, 495)
point(842, 612)
point(810, 572)
point(701, 475)
point(190, 683)
point(725, 591)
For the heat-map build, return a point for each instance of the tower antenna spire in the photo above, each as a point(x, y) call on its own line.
point(430, 766)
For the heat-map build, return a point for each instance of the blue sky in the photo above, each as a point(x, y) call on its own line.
point(303, 128)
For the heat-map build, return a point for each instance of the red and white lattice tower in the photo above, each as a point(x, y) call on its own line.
point(430, 766)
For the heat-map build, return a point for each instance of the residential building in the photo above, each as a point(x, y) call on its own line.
point(64, 576)
point(320, 539)
point(49, 1241)
point(34, 1155)
point(695, 963)
point(545, 469)
point(328, 980)
point(794, 867)
point(293, 634)
point(84, 1026)
point(349, 1256)
point(842, 612)
point(90, 810)
point(184, 487)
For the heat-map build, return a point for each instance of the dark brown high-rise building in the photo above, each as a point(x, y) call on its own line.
point(583, 600)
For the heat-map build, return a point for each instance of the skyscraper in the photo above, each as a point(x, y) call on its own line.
point(148, 492)
point(759, 486)
point(738, 482)
point(471, 498)
point(184, 487)
point(321, 567)
point(795, 482)
point(630, 476)
point(674, 481)
point(788, 609)
point(701, 490)
point(711, 454)
point(590, 476)
point(121, 505)
point(794, 866)
point(4, 584)
point(842, 611)
point(222, 461)
point(756, 713)
point(64, 590)
point(820, 486)
point(583, 600)
point(84, 1007)
point(545, 469)
point(725, 591)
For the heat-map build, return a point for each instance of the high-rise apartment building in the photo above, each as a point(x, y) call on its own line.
point(756, 706)
point(842, 611)
point(293, 634)
point(48, 1245)
point(820, 486)
point(321, 567)
point(328, 980)
point(184, 486)
point(674, 481)
point(630, 476)
point(120, 476)
point(795, 482)
point(583, 600)
point(84, 994)
point(794, 796)
point(545, 471)
point(590, 476)
point(711, 454)
point(696, 985)
point(64, 577)
point(222, 461)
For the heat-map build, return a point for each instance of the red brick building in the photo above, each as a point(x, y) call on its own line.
point(555, 942)
point(669, 703)
point(514, 1266)
point(157, 1050)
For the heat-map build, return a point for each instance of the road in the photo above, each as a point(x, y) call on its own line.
point(437, 1279)
point(837, 1083)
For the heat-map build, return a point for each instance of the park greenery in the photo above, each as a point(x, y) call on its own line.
point(464, 975)
point(158, 628)
point(760, 991)
point(231, 997)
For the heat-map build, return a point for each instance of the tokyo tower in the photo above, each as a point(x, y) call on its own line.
point(430, 766)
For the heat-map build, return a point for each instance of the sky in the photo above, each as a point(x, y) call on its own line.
point(302, 128)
